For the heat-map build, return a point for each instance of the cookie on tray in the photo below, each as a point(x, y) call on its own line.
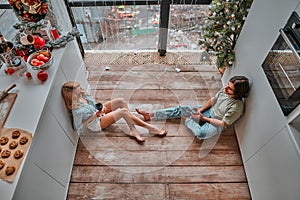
point(10, 170)
point(15, 134)
point(18, 154)
point(5, 153)
point(23, 140)
point(13, 144)
point(4, 140)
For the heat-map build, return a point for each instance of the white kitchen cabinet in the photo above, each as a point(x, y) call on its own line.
point(274, 170)
point(41, 185)
point(52, 150)
point(56, 107)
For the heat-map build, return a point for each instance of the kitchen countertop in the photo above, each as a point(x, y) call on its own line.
point(25, 114)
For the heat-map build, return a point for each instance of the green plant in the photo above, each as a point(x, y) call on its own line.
point(223, 25)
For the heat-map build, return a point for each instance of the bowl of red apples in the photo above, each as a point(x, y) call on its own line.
point(40, 60)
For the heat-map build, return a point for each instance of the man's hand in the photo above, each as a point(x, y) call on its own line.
point(196, 116)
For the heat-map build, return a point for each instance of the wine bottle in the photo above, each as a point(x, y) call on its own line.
point(2, 44)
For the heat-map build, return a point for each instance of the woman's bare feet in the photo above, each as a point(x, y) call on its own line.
point(145, 114)
point(159, 132)
point(137, 137)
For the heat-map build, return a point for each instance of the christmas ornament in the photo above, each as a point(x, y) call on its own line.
point(30, 10)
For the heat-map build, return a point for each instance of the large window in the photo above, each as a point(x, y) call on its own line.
point(136, 27)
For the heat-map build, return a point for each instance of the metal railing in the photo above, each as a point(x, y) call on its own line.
point(163, 19)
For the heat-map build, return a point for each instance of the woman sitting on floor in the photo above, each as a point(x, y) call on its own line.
point(85, 113)
point(209, 119)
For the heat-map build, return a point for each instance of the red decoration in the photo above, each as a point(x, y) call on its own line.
point(39, 42)
point(9, 71)
point(30, 10)
point(28, 75)
point(42, 75)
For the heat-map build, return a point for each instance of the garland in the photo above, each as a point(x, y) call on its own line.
point(30, 10)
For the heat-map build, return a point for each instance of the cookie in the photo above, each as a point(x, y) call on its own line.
point(0, 149)
point(10, 170)
point(15, 134)
point(18, 154)
point(23, 140)
point(2, 164)
point(5, 154)
point(4, 140)
point(13, 144)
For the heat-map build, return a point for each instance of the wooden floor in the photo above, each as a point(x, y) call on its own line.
point(111, 165)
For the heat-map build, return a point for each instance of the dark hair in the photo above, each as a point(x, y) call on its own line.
point(241, 86)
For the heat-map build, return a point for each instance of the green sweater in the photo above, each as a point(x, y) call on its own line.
point(227, 108)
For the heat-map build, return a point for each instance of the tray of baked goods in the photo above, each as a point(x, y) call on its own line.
point(14, 144)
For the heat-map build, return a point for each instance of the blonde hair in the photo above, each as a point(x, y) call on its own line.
point(70, 98)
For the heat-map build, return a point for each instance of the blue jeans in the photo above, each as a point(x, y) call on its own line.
point(202, 132)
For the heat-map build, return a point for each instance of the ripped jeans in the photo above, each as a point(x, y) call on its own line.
point(202, 132)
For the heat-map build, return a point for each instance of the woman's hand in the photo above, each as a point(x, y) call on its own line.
point(98, 113)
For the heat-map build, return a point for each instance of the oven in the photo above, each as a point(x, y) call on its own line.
point(282, 65)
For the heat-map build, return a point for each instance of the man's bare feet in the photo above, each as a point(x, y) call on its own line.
point(145, 114)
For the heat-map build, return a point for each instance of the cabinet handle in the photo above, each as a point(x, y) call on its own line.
point(286, 75)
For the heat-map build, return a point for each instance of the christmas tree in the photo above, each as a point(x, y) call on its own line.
point(223, 25)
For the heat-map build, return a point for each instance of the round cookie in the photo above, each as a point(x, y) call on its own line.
point(0, 149)
point(18, 154)
point(2, 164)
point(10, 170)
point(13, 144)
point(5, 154)
point(4, 140)
point(15, 134)
point(23, 140)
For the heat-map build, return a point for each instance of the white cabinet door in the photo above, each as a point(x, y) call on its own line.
point(71, 61)
point(52, 150)
point(36, 184)
point(56, 105)
point(273, 173)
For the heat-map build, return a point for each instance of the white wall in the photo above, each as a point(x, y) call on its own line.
point(264, 123)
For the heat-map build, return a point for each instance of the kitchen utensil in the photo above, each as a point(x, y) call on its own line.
point(4, 93)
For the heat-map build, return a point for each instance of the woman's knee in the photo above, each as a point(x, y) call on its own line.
point(121, 101)
point(125, 111)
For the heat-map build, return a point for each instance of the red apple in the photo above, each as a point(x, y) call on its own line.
point(40, 63)
point(40, 56)
point(39, 42)
point(34, 62)
point(45, 59)
point(42, 75)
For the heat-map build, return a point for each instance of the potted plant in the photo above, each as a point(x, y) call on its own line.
point(224, 22)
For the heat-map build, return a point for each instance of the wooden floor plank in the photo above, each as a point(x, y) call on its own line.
point(102, 143)
point(111, 165)
point(153, 158)
point(117, 191)
point(206, 191)
point(220, 191)
point(158, 174)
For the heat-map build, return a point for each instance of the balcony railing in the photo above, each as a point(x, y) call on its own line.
point(134, 25)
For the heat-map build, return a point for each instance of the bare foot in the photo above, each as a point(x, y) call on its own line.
point(137, 137)
point(159, 132)
point(145, 114)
